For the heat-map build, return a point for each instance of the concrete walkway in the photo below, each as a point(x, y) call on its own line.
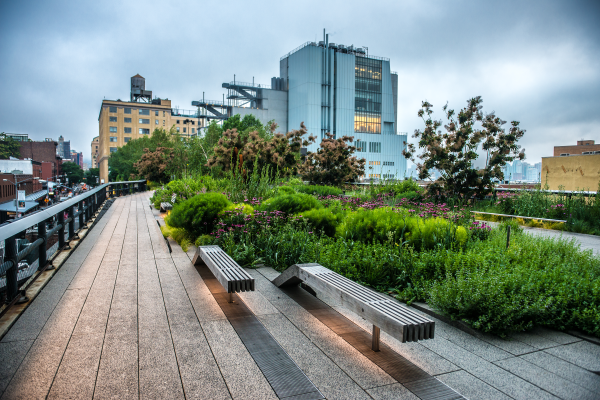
point(586, 242)
point(123, 318)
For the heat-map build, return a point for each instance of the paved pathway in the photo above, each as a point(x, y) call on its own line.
point(123, 318)
point(586, 242)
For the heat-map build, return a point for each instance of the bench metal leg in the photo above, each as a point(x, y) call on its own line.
point(375, 343)
point(230, 298)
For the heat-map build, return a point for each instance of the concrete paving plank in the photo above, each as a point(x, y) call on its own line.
point(330, 379)
point(118, 370)
point(471, 387)
point(584, 354)
point(391, 392)
point(497, 377)
point(564, 369)
point(76, 376)
point(351, 361)
point(11, 356)
point(546, 380)
point(235, 363)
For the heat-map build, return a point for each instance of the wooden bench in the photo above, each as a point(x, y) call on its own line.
point(397, 320)
point(228, 272)
point(168, 206)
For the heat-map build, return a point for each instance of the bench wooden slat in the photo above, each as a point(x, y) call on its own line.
point(399, 321)
point(224, 268)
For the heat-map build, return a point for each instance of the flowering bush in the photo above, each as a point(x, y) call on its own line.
point(479, 230)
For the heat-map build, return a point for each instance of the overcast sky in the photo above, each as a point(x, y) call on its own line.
point(537, 62)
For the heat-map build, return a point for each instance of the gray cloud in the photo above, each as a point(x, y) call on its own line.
point(536, 62)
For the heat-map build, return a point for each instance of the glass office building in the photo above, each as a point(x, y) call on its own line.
point(331, 88)
point(343, 90)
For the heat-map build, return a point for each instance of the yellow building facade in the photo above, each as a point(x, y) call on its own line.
point(580, 172)
point(122, 121)
point(95, 146)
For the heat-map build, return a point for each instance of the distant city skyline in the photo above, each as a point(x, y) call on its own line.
point(535, 62)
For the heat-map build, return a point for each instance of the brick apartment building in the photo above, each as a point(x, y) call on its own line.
point(45, 153)
point(585, 147)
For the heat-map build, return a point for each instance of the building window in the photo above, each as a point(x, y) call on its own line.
point(113, 129)
point(144, 131)
point(144, 121)
point(112, 119)
point(163, 122)
point(361, 146)
point(127, 120)
point(127, 130)
point(127, 110)
point(193, 130)
point(374, 147)
point(374, 175)
point(367, 97)
point(112, 109)
point(374, 162)
point(184, 130)
point(177, 129)
point(96, 147)
point(144, 112)
point(127, 139)
point(155, 122)
point(156, 113)
point(388, 163)
point(163, 114)
point(113, 149)
point(113, 138)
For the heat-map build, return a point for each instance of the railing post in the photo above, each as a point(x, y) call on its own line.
point(71, 222)
point(61, 231)
point(12, 284)
point(42, 258)
point(81, 215)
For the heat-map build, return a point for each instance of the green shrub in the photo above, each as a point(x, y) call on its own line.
point(204, 240)
point(198, 214)
point(285, 190)
point(245, 209)
point(178, 234)
point(291, 203)
point(536, 281)
point(295, 181)
point(319, 190)
point(322, 219)
point(380, 225)
point(461, 235)
point(184, 189)
point(384, 225)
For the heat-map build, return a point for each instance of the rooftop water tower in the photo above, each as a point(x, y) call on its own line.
point(138, 89)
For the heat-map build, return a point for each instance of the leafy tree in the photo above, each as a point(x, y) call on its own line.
point(279, 153)
point(9, 147)
point(122, 162)
point(91, 176)
point(73, 172)
point(333, 163)
point(454, 151)
point(154, 165)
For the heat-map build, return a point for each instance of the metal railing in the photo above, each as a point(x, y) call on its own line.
point(64, 226)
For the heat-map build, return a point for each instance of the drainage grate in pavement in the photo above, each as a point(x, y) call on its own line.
point(284, 376)
point(425, 386)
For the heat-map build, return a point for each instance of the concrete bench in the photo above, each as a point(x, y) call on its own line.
point(397, 320)
point(228, 272)
point(168, 206)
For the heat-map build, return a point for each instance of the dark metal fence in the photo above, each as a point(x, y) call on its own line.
point(61, 221)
